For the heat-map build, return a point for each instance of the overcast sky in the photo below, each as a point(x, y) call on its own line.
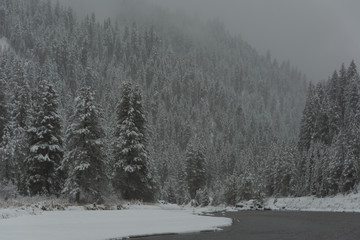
point(315, 35)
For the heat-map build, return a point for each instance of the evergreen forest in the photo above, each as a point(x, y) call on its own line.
point(91, 109)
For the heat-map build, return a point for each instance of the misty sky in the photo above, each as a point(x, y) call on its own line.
point(315, 35)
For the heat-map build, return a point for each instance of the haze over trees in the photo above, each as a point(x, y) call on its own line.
point(90, 109)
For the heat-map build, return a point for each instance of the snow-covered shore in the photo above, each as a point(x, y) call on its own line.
point(133, 221)
point(338, 203)
point(56, 220)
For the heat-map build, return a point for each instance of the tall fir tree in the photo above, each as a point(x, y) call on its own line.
point(195, 167)
point(336, 156)
point(131, 176)
point(3, 108)
point(343, 82)
point(45, 144)
point(334, 107)
point(16, 145)
point(84, 161)
point(307, 122)
point(351, 94)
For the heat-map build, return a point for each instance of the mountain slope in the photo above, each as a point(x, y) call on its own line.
point(211, 85)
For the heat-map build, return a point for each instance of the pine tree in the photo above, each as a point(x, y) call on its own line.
point(336, 155)
point(21, 96)
point(307, 122)
point(16, 145)
point(317, 173)
point(231, 190)
point(8, 166)
point(84, 160)
point(195, 167)
point(343, 82)
point(45, 144)
point(350, 174)
point(321, 129)
point(132, 177)
point(351, 94)
point(3, 109)
point(334, 108)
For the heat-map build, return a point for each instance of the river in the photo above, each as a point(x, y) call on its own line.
point(278, 225)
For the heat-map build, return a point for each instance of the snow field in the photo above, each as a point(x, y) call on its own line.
point(101, 225)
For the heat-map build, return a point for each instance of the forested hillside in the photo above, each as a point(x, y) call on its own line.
point(330, 134)
point(214, 117)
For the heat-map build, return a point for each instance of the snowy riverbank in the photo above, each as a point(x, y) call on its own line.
point(56, 220)
point(97, 225)
point(338, 203)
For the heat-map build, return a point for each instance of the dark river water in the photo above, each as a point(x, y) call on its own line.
point(278, 225)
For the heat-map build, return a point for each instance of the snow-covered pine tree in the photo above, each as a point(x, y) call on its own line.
point(3, 108)
point(231, 189)
point(3, 121)
point(334, 108)
point(307, 121)
point(351, 94)
point(131, 176)
point(350, 174)
point(336, 155)
point(15, 144)
point(84, 159)
point(321, 129)
point(45, 144)
point(280, 173)
point(8, 167)
point(343, 82)
point(195, 166)
point(316, 179)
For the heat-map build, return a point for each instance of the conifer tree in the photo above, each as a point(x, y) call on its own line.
point(343, 82)
point(84, 160)
point(195, 167)
point(307, 122)
point(16, 145)
point(3, 109)
point(336, 154)
point(351, 94)
point(8, 167)
point(334, 108)
point(45, 144)
point(350, 174)
point(132, 177)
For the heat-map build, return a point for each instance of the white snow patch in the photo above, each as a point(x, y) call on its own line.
point(99, 225)
point(208, 210)
point(338, 203)
point(17, 212)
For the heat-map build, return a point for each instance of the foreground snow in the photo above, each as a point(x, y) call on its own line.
point(135, 221)
point(338, 203)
